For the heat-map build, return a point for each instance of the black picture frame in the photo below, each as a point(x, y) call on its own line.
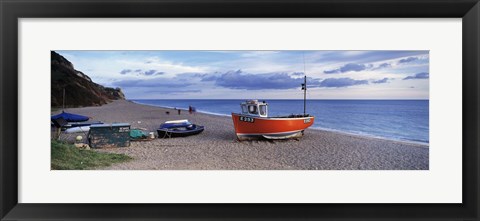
point(12, 10)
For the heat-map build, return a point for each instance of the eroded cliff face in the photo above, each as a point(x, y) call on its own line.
point(80, 90)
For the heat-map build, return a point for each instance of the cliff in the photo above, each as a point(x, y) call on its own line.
point(80, 90)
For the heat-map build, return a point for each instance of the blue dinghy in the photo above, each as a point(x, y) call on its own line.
point(181, 128)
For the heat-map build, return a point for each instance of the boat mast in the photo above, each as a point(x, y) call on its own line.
point(304, 87)
point(63, 98)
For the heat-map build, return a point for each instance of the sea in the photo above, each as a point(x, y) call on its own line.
point(402, 120)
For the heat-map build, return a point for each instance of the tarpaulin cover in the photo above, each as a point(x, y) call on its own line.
point(70, 117)
point(137, 134)
point(174, 125)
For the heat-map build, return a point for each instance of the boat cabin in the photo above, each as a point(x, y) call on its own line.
point(254, 108)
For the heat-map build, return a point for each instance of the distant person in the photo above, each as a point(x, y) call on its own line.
point(190, 109)
point(179, 111)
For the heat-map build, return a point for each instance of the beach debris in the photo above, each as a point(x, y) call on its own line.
point(138, 134)
point(82, 146)
point(141, 134)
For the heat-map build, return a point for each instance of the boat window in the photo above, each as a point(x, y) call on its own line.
point(263, 110)
point(252, 109)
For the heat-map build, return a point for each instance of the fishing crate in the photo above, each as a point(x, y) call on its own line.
point(109, 135)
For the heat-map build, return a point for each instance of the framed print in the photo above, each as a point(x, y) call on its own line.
point(239, 110)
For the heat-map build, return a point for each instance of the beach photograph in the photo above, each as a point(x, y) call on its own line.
point(240, 110)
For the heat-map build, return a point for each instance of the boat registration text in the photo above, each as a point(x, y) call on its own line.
point(247, 119)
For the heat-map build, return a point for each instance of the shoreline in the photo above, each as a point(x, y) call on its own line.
point(217, 148)
point(424, 144)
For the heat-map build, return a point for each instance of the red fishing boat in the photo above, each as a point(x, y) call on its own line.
point(253, 122)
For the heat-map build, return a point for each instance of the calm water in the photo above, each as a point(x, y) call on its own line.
point(392, 119)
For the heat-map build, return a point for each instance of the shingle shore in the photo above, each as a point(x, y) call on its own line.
point(217, 148)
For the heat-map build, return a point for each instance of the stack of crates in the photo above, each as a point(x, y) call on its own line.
point(109, 135)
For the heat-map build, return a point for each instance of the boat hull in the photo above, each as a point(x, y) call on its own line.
point(80, 124)
point(173, 132)
point(251, 127)
point(82, 129)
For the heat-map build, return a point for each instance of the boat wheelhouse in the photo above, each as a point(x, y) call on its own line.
point(254, 108)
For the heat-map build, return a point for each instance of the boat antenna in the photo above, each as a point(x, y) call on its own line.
point(304, 87)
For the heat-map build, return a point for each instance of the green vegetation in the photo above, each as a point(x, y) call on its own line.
point(68, 157)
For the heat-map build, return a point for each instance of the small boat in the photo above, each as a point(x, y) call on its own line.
point(180, 128)
point(81, 124)
point(253, 122)
point(82, 129)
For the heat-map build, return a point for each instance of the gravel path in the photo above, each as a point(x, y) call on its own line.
point(217, 149)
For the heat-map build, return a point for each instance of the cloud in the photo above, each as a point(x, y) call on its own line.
point(258, 53)
point(381, 81)
point(156, 82)
point(150, 72)
point(189, 76)
point(407, 60)
point(140, 72)
point(382, 66)
point(361, 56)
point(174, 91)
point(125, 71)
point(341, 82)
point(348, 67)
point(423, 75)
point(357, 67)
point(239, 80)
point(153, 72)
point(209, 78)
point(298, 74)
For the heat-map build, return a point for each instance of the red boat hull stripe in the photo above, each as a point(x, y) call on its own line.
point(289, 132)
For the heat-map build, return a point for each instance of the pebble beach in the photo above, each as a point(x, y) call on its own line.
point(218, 149)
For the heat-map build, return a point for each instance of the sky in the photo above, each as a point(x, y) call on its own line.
point(258, 74)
